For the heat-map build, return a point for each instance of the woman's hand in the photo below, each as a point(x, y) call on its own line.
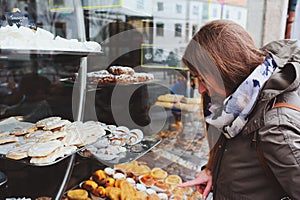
point(203, 182)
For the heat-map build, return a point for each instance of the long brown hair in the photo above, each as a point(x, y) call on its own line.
point(229, 47)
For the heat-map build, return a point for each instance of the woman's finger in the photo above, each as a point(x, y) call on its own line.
point(207, 189)
point(191, 183)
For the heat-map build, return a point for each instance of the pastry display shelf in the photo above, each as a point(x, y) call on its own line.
point(98, 86)
point(26, 161)
point(40, 54)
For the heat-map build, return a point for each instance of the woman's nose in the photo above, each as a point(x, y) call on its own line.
point(201, 88)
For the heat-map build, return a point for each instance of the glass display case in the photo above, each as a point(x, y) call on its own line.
point(96, 66)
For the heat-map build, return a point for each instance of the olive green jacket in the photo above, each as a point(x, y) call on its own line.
point(276, 131)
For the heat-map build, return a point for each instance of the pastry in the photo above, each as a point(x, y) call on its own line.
point(160, 186)
point(140, 170)
point(147, 180)
point(119, 176)
point(77, 194)
point(18, 131)
point(5, 148)
point(109, 171)
point(191, 100)
point(170, 98)
point(141, 77)
point(99, 192)
point(57, 153)
point(89, 185)
point(178, 192)
point(47, 159)
point(53, 136)
point(164, 104)
point(173, 180)
point(153, 196)
point(108, 78)
point(100, 177)
point(117, 70)
point(20, 151)
point(36, 135)
point(8, 139)
point(139, 195)
point(4, 134)
point(56, 124)
point(134, 136)
point(158, 173)
point(40, 149)
point(43, 122)
point(113, 193)
point(124, 78)
point(110, 182)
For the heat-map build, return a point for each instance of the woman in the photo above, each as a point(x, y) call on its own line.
point(255, 146)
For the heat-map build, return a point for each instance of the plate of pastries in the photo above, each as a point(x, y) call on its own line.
point(47, 141)
point(134, 181)
point(117, 74)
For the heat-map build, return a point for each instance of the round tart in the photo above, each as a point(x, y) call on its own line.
point(140, 170)
point(173, 181)
point(147, 180)
point(160, 186)
point(158, 173)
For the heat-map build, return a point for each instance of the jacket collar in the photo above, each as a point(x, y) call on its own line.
point(285, 78)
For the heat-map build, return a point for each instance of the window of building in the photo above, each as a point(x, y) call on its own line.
point(195, 10)
point(187, 30)
point(178, 8)
point(178, 29)
point(140, 4)
point(159, 29)
point(160, 6)
point(239, 15)
point(215, 13)
point(194, 29)
point(205, 11)
point(227, 14)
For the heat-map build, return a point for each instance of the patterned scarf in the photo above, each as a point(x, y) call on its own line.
point(231, 117)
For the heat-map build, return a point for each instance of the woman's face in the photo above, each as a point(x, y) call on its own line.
point(211, 87)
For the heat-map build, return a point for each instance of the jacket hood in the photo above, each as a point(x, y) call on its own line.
point(286, 54)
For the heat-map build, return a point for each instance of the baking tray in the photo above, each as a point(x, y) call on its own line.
point(132, 153)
